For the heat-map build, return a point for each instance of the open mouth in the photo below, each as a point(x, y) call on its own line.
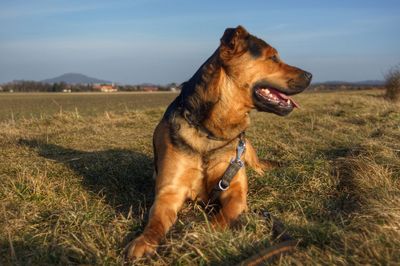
point(274, 96)
point(272, 100)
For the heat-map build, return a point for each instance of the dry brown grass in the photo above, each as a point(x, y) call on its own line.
point(17, 106)
point(75, 188)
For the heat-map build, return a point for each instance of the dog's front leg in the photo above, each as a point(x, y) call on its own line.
point(162, 216)
point(233, 202)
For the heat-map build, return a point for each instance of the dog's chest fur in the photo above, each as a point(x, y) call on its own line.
point(210, 157)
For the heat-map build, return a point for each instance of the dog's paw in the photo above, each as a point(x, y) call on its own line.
point(138, 248)
point(219, 223)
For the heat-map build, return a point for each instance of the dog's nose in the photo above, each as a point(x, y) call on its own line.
point(307, 75)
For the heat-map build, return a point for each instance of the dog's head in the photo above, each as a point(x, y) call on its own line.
point(258, 72)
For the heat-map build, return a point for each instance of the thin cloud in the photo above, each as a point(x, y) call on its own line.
point(27, 10)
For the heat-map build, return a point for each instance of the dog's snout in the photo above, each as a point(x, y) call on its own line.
point(302, 81)
point(307, 75)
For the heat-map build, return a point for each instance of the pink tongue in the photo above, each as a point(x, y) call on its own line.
point(285, 97)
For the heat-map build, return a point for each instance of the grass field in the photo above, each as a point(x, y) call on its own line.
point(39, 105)
point(76, 186)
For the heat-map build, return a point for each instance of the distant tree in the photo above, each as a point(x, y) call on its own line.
point(59, 86)
point(392, 84)
point(54, 87)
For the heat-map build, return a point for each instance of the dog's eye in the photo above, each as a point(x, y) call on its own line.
point(274, 58)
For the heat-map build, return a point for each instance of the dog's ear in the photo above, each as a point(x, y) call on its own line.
point(232, 41)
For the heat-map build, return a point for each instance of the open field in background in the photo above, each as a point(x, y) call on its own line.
point(38, 105)
point(74, 185)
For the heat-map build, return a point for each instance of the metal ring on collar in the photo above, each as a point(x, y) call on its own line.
point(221, 187)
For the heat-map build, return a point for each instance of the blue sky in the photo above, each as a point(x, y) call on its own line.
point(163, 41)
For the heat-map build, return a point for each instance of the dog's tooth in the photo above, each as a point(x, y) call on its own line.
point(265, 91)
point(288, 101)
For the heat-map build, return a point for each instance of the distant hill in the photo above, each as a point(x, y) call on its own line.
point(372, 82)
point(356, 83)
point(75, 78)
point(345, 85)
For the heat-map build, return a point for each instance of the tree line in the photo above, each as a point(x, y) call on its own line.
point(34, 86)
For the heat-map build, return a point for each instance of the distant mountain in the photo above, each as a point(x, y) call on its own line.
point(371, 82)
point(75, 78)
point(356, 83)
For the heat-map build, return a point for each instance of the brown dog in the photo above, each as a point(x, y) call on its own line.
point(198, 135)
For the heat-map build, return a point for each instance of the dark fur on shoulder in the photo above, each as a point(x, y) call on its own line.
point(194, 103)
